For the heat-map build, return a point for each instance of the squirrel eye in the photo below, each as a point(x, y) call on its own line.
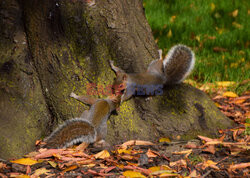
point(121, 85)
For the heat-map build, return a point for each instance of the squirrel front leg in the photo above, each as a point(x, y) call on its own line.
point(85, 99)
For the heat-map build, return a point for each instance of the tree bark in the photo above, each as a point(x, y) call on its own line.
point(51, 48)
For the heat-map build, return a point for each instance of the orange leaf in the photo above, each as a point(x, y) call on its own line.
point(102, 155)
point(70, 168)
point(25, 161)
point(151, 154)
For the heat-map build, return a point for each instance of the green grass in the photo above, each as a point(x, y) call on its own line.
point(203, 25)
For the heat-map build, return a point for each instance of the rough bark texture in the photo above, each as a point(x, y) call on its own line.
point(50, 48)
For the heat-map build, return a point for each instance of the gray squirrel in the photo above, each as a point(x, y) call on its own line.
point(91, 127)
point(173, 69)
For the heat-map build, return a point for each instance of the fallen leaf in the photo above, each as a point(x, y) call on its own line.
point(169, 35)
point(237, 25)
point(166, 174)
point(25, 161)
point(230, 94)
point(205, 138)
point(209, 149)
point(183, 152)
point(180, 162)
point(82, 146)
point(120, 151)
point(212, 5)
point(151, 154)
point(40, 171)
point(73, 167)
point(135, 142)
point(235, 13)
point(102, 155)
point(239, 166)
point(193, 174)
point(28, 170)
point(52, 163)
point(132, 174)
point(209, 163)
point(172, 19)
point(225, 83)
point(164, 139)
point(48, 153)
point(219, 49)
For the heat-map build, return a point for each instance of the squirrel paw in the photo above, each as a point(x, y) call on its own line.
point(73, 95)
point(101, 144)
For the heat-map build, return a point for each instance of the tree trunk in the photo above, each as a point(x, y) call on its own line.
point(50, 48)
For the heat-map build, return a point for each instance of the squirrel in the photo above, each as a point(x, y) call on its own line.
point(173, 69)
point(91, 127)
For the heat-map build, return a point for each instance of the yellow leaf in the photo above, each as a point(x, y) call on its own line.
point(235, 13)
point(166, 174)
point(198, 38)
point(237, 25)
point(158, 168)
point(164, 139)
point(103, 154)
point(155, 168)
point(225, 83)
point(132, 174)
point(52, 163)
point(40, 171)
point(25, 161)
point(183, 152)
point(169, 35)
point(120, 151)
point(212, 6)
point(172, 18)
point(230, 94)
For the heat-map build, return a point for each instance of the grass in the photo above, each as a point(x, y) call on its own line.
point(204, 25)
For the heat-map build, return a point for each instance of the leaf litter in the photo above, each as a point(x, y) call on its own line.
point(226, 156)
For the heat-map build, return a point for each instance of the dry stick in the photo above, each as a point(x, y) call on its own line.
point(206, 174)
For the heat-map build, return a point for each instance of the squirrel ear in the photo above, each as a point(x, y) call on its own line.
point(116, 69)
point(124, 77)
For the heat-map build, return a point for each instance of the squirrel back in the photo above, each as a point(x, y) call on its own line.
point(173, 69)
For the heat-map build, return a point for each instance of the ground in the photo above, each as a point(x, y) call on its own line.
point(226, 156)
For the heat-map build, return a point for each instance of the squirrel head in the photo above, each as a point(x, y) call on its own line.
point(119, 84)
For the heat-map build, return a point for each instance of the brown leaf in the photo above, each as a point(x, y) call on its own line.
point(135, 142)
point(239, 166)
point(205, 138)
point(82, 146)
point(48, 153)
point(219, 49)
point(180, 162)
point(209, 149)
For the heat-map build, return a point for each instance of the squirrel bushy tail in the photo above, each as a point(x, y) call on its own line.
point(173, 69)
point(71, 132)
point(178, 64)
